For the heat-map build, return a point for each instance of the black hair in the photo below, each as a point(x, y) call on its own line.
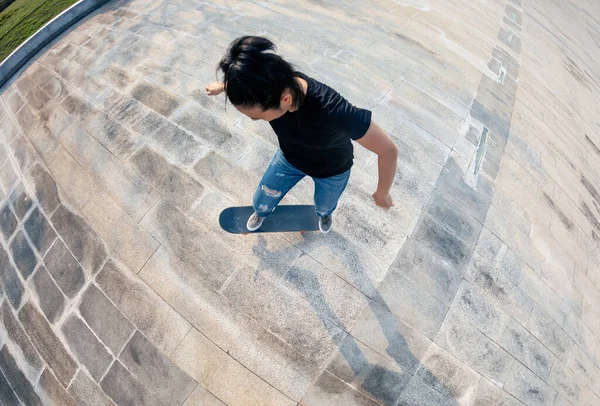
point(254, 76)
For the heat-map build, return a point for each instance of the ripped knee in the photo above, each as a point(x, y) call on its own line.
point(270, 192)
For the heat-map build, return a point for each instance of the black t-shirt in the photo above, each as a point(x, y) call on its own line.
point(316, 137)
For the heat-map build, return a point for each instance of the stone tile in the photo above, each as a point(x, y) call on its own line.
point(347, 259)
point(89, 351)
point(52, 390)
point(460, 193)
point(427, 270)
point(37, 98)
point(164, 75)
point(26, 119)
point(107, 322)
point(8, 221)
point(329, 390)
point(422, 141)
point(175, 143)
point(109, 173)
point(480, 311)
point(124, 389)
point(126, 110)
point(583, 366)
point(40, 75)
point(158, 99)
point(65, 269)
point(79, 237)
point(8, 176)
point(14, 333)
point(274, 361)
point(118, 77)
point(150, 314)
point(173, 183)
point(437, 238)
point(113, 136)
point(523, 346)
point(378, 328)
point(47, 344)
point(186, 291)
point(381, 232)
point(19, 382)
point(509, 297)
point(549, 333)
point(473, 348)
point(7, 396)
point(54, 120)
point(79, 107)
point(9, 280)
point(40, 232)
point(212, 131)
point(56, 88)
point(236, 184)
point(222, 375)
point(412, 186)
point(23, 153)
point(562, 380)
point(368, 372)
point(537, 288)
point(411, 303)
point(9, 129)
point(128, 240)
point(191, 243)
point(528, 388)
point(418, 393)
point(328, 295)
point(453, 218)
point(261, 297)
point(86, 392)
point(580, 333)
point(488, 394)
point(155, 371)
point(20, 201)
point(51, 300)
point(15, 102)
point(202, 397)
point(23, 255)
point(90, 86)
point(447, 375)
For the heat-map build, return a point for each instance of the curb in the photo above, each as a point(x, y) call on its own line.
point(45, 35)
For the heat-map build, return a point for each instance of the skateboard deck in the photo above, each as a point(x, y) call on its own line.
point(285, 218)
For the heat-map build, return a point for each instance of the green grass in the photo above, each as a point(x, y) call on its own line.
point(23, 18)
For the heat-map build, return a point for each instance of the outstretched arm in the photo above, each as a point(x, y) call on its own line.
point(387, 155)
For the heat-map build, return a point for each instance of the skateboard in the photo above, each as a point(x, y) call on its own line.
point(285, 218)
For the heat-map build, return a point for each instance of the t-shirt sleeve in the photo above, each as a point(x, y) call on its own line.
point(351, 120)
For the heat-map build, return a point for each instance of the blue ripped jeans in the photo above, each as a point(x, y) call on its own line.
point(281, 176)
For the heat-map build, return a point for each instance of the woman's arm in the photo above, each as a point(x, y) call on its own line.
point(387, 155)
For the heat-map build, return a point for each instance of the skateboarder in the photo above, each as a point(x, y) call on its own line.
point(314, 125)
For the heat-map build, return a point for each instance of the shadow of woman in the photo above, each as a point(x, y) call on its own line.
point(383, 384)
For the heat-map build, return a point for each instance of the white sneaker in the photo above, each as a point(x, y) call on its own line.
point(325, 224)
point(254, 222)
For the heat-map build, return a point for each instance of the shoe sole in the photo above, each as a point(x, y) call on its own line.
point(325, 232)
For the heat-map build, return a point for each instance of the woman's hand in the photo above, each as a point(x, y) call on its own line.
point(383, 200)
point(215, 88)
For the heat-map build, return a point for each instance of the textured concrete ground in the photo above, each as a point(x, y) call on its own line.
point(479, 288)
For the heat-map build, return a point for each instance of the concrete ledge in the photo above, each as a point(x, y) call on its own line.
point(44, 35)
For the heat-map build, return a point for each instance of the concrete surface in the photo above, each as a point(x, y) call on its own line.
point(479, 288)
